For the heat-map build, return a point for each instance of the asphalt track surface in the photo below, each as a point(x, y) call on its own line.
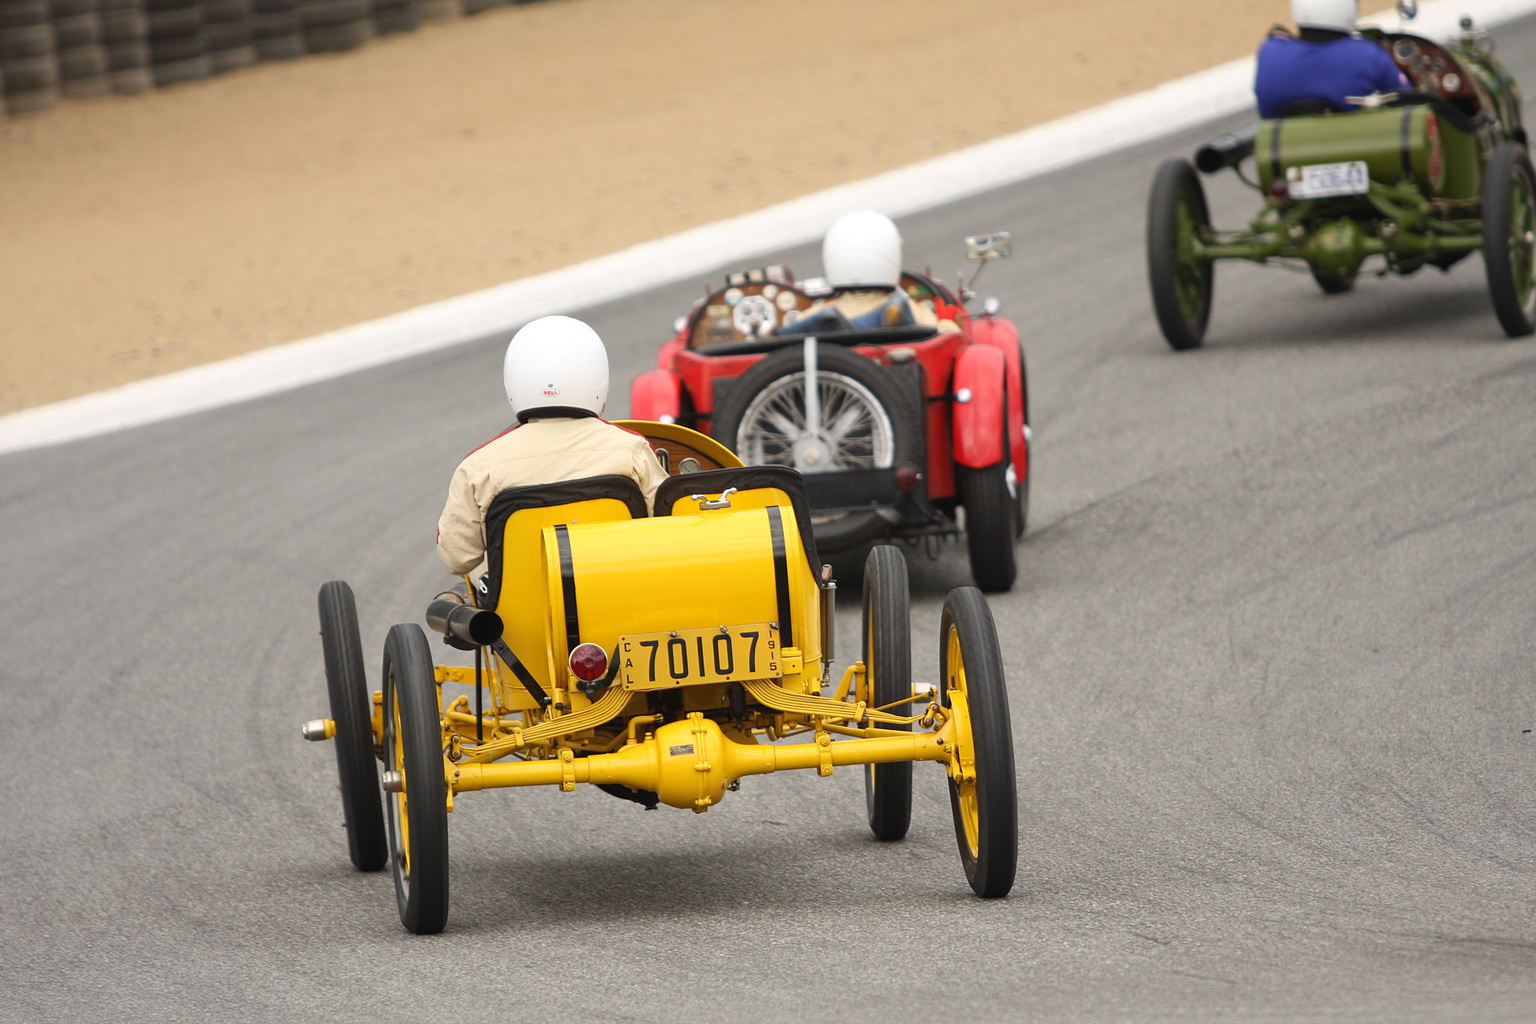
point(1271, 664)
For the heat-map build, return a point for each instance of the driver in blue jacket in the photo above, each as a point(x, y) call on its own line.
point(1325, 63)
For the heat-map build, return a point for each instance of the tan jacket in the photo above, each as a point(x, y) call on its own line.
point(540, 451)
point(857, 303)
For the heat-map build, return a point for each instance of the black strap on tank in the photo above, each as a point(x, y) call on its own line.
point(781, 576)
point(523, 675)
point(1276, 171)
point(568, 590)
point(1405, 142)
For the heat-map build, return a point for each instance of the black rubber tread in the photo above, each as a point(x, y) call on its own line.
point(17, 13)
point(127, 56)
point(396, 19)
point(337, 38)
point(233, 59)
point(289, 47)
point(182, 48)
point(989, 526)
point(59, 9)
point(1334, 284)
point(887, 655)
point(275, 7)
point(220, 12)
point(26, 41)
point(1174, 178)
point(314, 13)
point(192, 69)
point(228, 36)
point(76, 31)
point(346, 683)
point(481, 6)
point(991, 871)
point(31, 100)
point(168, 5)
point(1508, 162)
point(131, 81)
point(30, 74)
point(855, 528)
point(175, 24)
point(274, 26)
point(124, 26)
point(118, 6)
point(391, 5)
point(422, 896)
point(83, 62)
point(439, 10)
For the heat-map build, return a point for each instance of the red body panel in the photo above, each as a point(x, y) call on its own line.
point(1004, 336)
point(979, 423)
point(656, 395)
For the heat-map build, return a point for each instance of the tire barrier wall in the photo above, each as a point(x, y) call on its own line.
point(62, 48)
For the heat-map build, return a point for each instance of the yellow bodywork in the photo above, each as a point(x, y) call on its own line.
point(729, 570)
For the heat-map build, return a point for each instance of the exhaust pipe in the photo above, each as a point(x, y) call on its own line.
point(471, 626)
point(1226, 150)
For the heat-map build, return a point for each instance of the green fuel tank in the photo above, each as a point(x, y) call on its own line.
point(1398, 144)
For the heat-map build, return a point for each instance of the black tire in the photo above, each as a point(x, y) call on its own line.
point(82, 62)
point(193, 69)
point(989, 525)
point(290, 47)
point(16, 13)
point(1334, 284)
point(76, 31)
point(418, 817)
point(26, 41)
point(232, 59)
point(124, 27)
point(314, 13)
point(175, 48)
point(127, 56)
point(906, 425)
point(887, 654)
point(131, 81)
point(1509, 237)
point(31, 101)
point(58, 9)
point(30, 74)
point(224, 12)
point(986, 811)
point(1181, 290)
point(390, 20)
point(351, 710)
point(174, 24)
point(337, 38)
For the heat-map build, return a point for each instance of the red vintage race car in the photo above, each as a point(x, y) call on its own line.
point(896, 429)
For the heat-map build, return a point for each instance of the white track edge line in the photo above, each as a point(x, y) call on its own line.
point(1120, 124)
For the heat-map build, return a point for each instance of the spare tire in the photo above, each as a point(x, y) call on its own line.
point(868, 421)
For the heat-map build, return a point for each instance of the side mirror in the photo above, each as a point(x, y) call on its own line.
point(1407, 9)
point(996, 246)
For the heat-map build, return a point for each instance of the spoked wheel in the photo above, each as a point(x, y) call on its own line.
point(991, 512)
point(982, 787)
point(1509, 238)
point(1181, 283)
point(859, 419)
point(347, 684)
point(418, 812)
point(888, 662)
point(1334, 284)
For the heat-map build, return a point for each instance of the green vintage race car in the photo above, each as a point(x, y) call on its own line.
point(1421, 177)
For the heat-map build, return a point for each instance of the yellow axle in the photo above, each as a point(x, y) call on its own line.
point(690, 763)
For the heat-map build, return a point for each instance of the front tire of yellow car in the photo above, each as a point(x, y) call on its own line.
point(973, 687)
point(888, 660)
point(418, 815)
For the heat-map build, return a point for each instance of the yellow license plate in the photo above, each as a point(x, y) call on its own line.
point(688, 657)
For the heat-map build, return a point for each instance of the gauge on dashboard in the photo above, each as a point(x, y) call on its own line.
point(1451, 82)
point(1405, 49)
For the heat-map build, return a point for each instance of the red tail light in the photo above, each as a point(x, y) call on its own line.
point(589, 662)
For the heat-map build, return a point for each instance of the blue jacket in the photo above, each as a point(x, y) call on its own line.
point(1295, 69)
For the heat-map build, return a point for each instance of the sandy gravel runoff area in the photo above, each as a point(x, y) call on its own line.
point(143, 235)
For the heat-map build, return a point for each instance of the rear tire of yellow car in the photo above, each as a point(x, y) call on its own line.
point(887, 654)
point(971, 679)
point(1509, 237)
point(1181, 290)
point(347, 685)
point(990, 514)
point(418, 817)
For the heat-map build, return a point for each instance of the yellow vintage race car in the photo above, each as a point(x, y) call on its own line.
point(663, 658)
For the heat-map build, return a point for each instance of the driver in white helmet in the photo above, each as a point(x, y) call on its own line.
point(556, 376)
point(1322, 65)
point(861, 255)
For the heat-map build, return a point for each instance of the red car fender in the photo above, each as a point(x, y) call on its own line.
point(1001, 334)
point(980, 372)
point(670, 349)
point(656, 395)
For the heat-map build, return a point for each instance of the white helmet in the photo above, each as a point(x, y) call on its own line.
point(1338, 15)
point(555, 362)
point(862, 250)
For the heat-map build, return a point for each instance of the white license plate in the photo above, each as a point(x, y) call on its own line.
point(687, 657)
point(1324, 181)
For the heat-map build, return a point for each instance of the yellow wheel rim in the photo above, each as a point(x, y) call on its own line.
point(962, 769)
point(397, 800)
